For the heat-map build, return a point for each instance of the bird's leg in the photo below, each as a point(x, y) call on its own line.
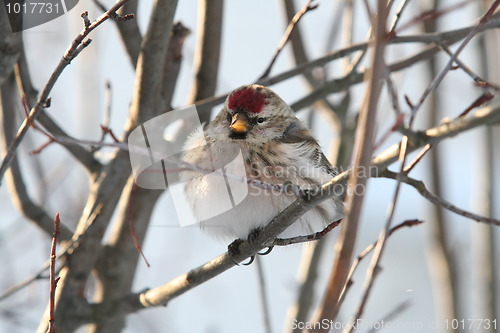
point(234, 249)
point(290, 188)
point(252, 236)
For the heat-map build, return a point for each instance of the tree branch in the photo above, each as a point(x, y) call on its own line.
point(74, 49)
point(336, 85)
point(107, 186)
point(30, 94)
point(10, 46)
point(172, 65)
point(207, 56)
point(307, 7)
point(363, 150)
point(368, 250)
point(162, 295)
point(422, 189)
point(14, 177)
point(441, 259)
point(53, 280)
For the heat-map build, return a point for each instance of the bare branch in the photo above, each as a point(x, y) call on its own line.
point(308, 238)
point(173, 62)
point(117, 262)
point(306, 277)
point(138, 204)
point(374, 268)
point(397, 17)
point(437, 80)
point(86, 21)
point(15, 182)
point(129, 29)
point(264, 302)
point(108, 310)
point(363, 150)
point(391, 315)
point(75, 47)
point(307, 7)
point(422, 189)
point(107, 186)
point(488, 253)
point(448, 37)
point(417, 159)
point(146, 100)
point(368, 250)
point(10, 46)
point(30, 97)
point(431, 15)
point(207, 56)
point(477, 79)
point(53, 280)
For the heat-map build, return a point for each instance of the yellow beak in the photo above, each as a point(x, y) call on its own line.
point(239, 123)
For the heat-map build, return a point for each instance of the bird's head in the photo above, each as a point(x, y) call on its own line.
point(254, 113)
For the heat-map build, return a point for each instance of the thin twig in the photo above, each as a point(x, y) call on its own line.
point(422, 189)
point(367, 250)
point(391, 315)
point(114, 16)
point(477, 79)
point(264, 301)
point(308, 7)
point(363, 150)
point(106, 130)
point(75, 47)
point(480, 101)
point(397, 123)
point(163, 294)
point(417, 159)
point(19, 193)
point(63, 251)
point(53, 279)
point(380, 246)
point(15, 288)
point(448, 37)
point(393, 94)
point(308, 238)
point(29, 99)
point(130, 33)
point(131, 225)
point(43, 146)
point(430, 15)
point(107, 117)
point(397, 17)
point(86, 21)
point(437, 80)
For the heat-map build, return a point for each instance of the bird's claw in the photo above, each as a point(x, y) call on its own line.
point(266, 252)
point(296, 190)
point(251, 238)
point(234, 249)
point(290, 188)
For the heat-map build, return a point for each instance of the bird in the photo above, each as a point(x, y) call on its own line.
point(271, 147)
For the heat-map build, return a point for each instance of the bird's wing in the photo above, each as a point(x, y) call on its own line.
point(296, 132)
point(322, 162)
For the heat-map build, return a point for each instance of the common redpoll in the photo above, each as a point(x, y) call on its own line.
point(275, 148)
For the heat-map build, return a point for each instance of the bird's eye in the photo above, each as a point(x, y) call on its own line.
point(260, 120)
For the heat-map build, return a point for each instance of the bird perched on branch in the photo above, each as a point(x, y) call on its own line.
point(253, 147)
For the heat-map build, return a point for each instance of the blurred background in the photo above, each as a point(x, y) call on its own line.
point(462, 171)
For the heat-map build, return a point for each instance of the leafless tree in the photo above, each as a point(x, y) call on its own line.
point(95, 274)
